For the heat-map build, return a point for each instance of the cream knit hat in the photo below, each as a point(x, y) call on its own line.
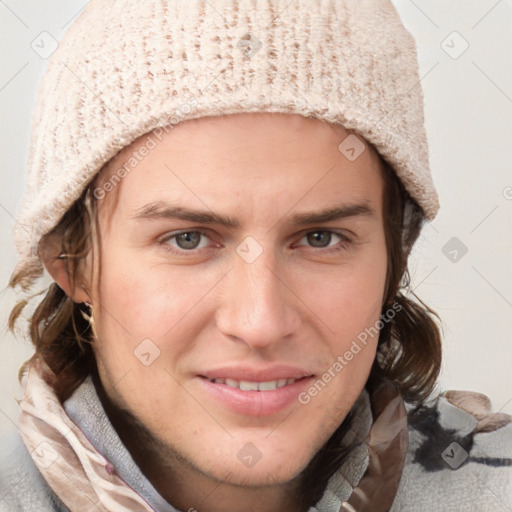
point(127, 67)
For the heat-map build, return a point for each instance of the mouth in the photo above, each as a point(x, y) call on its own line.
point(255, 397)
point(246, 385)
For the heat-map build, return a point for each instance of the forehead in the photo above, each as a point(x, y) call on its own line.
point(228, 159)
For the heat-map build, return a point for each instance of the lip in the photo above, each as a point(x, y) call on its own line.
point(256, 403)
point(266, 374)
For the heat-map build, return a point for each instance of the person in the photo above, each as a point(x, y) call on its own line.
point(225, 200)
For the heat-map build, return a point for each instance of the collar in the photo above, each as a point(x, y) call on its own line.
point(75, 446)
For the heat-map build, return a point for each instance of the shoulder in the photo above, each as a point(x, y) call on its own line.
point(459, 456)
point(22, 487)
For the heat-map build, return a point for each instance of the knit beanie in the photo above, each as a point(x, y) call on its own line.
point(125, 68)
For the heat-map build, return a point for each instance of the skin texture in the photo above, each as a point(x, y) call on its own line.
point(300, 302)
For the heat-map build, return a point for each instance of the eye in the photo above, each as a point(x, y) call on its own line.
point(188, 241)
point(184, 240)
point(322, 239)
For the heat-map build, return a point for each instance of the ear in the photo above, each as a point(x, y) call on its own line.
point(57, 267)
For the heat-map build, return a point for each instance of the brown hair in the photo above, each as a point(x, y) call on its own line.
point(409, 346)
point(59, 328)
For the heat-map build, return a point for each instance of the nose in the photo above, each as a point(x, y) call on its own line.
point(258, 304)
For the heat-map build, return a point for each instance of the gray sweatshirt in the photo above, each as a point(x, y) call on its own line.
point(459, 458)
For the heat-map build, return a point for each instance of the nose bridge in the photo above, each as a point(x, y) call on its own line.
point(257, 306)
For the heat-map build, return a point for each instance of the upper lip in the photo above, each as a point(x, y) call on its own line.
point(251, 374)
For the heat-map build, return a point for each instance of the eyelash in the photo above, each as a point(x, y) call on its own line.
point(344, 242)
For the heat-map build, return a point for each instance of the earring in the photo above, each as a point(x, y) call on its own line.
point(89, 316)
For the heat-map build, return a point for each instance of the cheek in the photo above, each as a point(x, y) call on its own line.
point(349, 298)
point(350, 308)
point(144, 298)
point(141, 309)
point(349, 303)
point(141, 300)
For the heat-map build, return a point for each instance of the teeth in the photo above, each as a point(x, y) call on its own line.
point(248, 386)
point(267, 386)
point(245, 385)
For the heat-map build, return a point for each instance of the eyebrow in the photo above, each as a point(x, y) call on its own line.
point(161, 210)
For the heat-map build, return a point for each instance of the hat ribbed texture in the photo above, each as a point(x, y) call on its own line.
point(127, 67)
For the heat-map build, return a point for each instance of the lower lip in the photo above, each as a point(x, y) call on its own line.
point(256, 403)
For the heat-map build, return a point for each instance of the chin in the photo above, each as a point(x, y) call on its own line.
point(260, 475)
point(248, 466)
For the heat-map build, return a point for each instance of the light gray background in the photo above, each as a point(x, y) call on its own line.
point(468, 103)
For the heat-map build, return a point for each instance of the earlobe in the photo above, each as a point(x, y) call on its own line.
point(58, 270)
point(56, 264)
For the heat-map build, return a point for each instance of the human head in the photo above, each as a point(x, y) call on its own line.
point(205, 311)
point(399, 356)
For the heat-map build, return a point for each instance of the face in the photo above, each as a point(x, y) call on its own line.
point(221, 270)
